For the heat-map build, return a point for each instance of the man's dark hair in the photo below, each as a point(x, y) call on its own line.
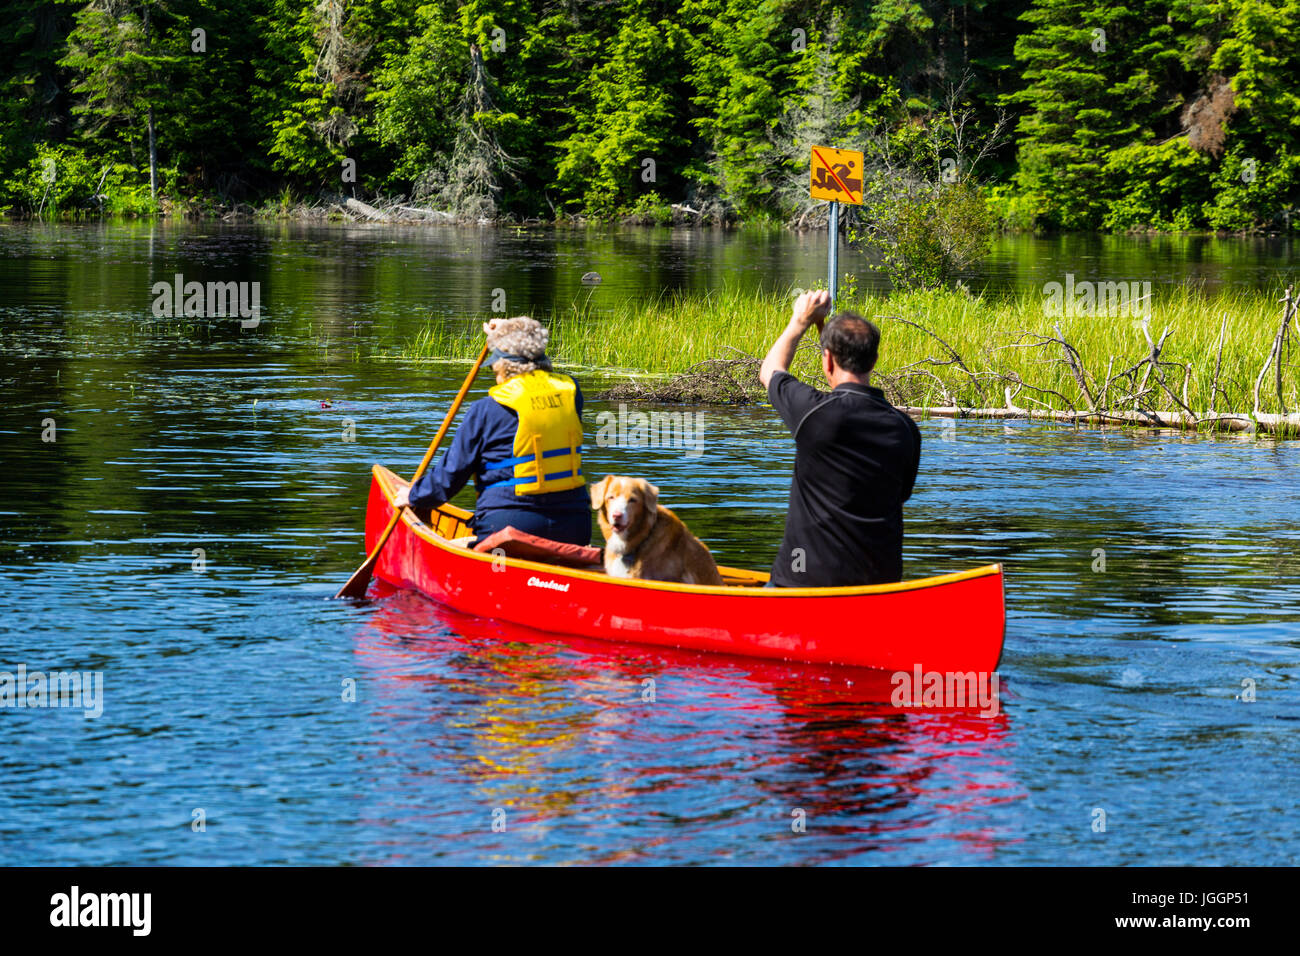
point(853, 341)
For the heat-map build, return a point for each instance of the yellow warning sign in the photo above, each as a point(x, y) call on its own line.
point(836, 175)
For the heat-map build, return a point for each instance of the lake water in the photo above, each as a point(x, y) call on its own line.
point(1122, 680)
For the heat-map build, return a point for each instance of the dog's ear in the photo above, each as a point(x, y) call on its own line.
point(651, 496)
point(598, 493)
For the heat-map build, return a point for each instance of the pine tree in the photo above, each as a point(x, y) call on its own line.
point(1098, 79)
point(739, 75)
point(1257, 184)
point(312, 134)
point(126, 57)
point(469, 184)
point(33, 100)
point(817, 114)
point(632, 105)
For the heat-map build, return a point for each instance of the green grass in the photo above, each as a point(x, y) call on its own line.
point(663, 336)
point(987, 334)
point(673, 333)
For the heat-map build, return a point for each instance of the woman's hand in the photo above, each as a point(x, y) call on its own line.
point(403, 498)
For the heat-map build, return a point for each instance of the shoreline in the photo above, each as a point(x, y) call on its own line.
point(348, 211)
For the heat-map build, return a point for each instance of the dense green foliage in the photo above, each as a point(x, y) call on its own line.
point(1161, 114)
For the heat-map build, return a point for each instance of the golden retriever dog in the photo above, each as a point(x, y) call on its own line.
point(644, 540)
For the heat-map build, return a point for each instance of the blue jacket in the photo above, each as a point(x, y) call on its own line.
point(488, 434)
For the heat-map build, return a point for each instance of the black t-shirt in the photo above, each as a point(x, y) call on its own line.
point(855, 463)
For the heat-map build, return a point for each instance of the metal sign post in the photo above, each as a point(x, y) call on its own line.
point(836, 176)
point(833, 254)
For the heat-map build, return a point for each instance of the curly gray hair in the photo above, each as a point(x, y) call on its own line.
point(518, 336)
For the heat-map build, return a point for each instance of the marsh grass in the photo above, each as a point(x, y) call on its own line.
point(998, 339)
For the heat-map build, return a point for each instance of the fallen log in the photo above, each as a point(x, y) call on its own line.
point(1285, 425)
point(365, 211)
point(431, 213)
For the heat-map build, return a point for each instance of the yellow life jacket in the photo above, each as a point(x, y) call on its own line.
point(549, 433)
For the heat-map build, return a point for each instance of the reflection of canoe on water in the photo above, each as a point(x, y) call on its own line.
point(954, 622)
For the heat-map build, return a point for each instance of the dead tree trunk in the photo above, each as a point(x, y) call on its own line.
point(153, 160)
point(1289, 303)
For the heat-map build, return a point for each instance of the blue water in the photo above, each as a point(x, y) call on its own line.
point(224, 688)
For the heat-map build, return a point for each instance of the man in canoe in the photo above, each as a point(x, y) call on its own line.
point(855, 461)
point(522, 445)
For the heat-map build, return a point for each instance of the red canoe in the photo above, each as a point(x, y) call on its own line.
point(953, 623)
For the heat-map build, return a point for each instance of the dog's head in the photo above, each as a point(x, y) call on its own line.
point(625, 503)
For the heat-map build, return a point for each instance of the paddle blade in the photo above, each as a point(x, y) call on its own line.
point(360, 580)
point(357, 584)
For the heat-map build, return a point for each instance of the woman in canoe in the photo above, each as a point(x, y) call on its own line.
point(522, 445)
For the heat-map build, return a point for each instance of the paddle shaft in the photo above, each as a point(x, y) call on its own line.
point(360, 580)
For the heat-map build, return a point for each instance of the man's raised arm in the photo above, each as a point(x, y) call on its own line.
point(810, 308)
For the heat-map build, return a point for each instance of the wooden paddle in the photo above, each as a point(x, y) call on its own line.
point(360, 580)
